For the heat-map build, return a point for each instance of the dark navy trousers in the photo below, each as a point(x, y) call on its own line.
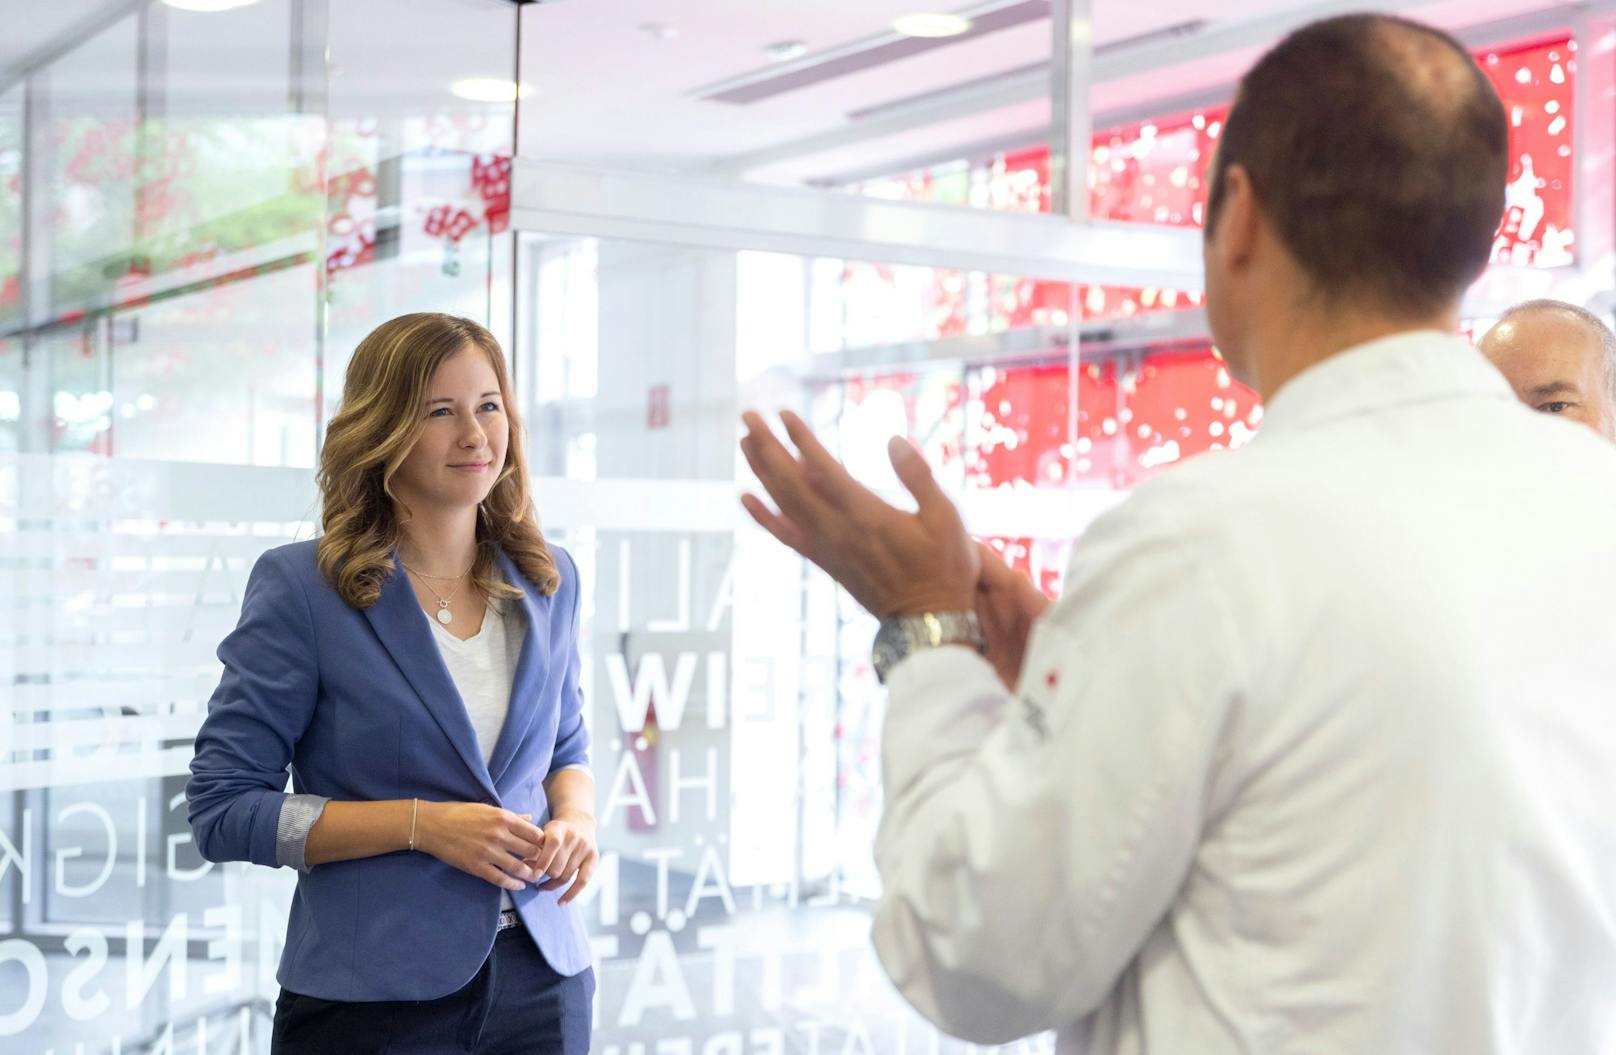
point(515, 1005)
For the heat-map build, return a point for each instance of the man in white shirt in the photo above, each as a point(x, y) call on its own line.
point(1560, 359)
point(1317, 752)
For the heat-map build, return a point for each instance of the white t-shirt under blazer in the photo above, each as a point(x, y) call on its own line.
point(483, 668)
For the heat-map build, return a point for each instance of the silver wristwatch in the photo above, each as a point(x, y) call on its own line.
point(903, 634)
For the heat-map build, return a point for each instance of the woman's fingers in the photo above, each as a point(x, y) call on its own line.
point(513, 853)
point(525, 830)
point(513, 866)
point(582, 863)
point(498, 878)
point(517, 845)
point(549, 861)
point(586, 871)
point(581, 856)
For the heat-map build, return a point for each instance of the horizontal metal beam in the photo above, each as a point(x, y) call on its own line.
point(1098, 339)
point(1026, 137)
point(723, 214)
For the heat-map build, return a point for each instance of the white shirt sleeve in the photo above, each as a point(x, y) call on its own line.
point(1029, 845)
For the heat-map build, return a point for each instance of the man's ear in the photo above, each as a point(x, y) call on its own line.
point(1235, 239)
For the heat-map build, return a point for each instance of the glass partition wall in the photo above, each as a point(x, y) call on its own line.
point(202, 207)
point(667, 215)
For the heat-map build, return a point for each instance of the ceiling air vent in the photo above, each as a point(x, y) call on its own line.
point(866, 54)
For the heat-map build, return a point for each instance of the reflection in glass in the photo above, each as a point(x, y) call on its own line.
point(91, 138)
point(11, 219)
point(218, 207)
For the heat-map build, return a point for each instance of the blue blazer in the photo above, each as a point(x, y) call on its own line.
point(360, 705)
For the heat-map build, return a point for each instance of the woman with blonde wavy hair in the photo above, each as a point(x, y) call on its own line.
point(416, 670)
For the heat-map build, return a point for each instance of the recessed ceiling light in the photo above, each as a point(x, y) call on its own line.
point(208, 5)
point(785, 50)
point(490, 90)
point(931, 24)
point(659, 30)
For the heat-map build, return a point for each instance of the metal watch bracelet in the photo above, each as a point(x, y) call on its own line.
point(901, 636)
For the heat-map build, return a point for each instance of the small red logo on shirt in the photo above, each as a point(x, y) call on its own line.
point(1051, 678)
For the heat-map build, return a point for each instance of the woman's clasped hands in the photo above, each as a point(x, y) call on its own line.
point(507, 849)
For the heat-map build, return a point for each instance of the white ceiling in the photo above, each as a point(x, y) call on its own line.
point(608, 93)
point(28, 25)
point(605, 91)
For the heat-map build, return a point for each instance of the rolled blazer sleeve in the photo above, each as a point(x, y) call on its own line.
point(572, 734)
point(263, 705)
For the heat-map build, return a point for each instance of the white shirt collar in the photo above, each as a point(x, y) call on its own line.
point(1414, 367)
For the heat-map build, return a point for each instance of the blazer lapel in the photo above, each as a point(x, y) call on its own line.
point(399, 622)
point(532, 665)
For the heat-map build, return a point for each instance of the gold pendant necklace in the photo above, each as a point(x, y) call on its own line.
point(444, 615)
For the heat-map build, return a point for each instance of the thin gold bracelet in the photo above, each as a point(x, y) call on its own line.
point(415, 804)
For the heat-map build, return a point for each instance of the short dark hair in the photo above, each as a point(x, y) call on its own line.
point(1379, 151)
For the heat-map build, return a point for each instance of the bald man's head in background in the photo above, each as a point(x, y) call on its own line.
point(1560, 359)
